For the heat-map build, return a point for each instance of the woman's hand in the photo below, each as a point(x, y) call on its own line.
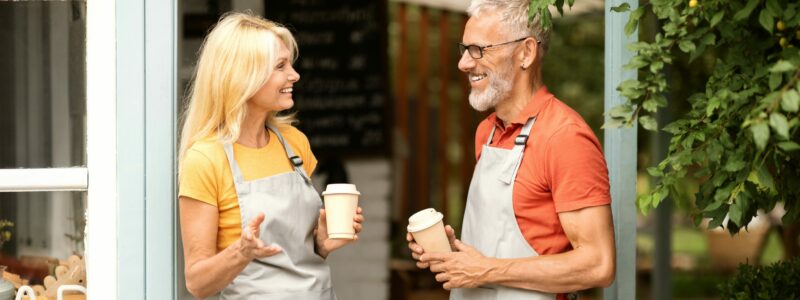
point(324, 245)
point(250, 245)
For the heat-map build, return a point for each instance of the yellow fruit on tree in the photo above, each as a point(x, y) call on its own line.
point(692, 3)
point(781, 26)
point(783, 42)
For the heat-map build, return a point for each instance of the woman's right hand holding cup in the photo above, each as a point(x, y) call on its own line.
point(250, 244)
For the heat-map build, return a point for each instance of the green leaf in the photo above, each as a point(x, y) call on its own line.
point(735, 165)
point(782, 66)
point(766, 20)
point(633, 21)
point(655, 172)
point(765, 178)
point(659, 196)
point(760, 135)
point(560, 7)
point(620, 111)
point(745, 12)
point(738, 208)
point(620, 8)
point(686, 46)
point(775, 80)
point(789, 146)
point(613, 123)
point(636, 63)
point(779, 123)
point(656, 66)
point(717, 17)
point(774, 8)
point(648, 123)
point(790, 101)
point(644, 203)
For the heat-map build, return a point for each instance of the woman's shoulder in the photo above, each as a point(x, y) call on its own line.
point(293, 135)
point(210, 148)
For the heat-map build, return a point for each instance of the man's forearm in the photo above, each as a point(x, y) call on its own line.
point(559, 273)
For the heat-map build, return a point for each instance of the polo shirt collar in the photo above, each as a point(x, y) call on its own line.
point(540, 99)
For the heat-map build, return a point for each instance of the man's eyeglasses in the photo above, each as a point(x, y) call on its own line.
point(476, 51)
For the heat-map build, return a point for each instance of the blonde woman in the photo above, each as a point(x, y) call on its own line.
point(253, 226)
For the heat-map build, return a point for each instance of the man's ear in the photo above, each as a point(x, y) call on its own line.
point(529, 53)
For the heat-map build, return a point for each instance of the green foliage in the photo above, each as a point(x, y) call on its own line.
point(780, 280)
point(741, 137)
point(541, 9)
point(5, 232)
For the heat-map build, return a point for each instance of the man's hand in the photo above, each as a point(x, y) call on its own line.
point(417, 251)
point(250, 244)
point(466, 268)
point(323, 244)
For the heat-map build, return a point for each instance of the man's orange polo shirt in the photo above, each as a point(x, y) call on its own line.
point(562, 169)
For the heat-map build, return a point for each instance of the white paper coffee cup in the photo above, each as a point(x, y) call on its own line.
point(427, 228)
point(341, 203)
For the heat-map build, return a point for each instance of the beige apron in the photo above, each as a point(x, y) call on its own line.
point(291, 205)
point(489, 221)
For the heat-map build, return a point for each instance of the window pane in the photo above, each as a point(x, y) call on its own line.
point(47, 227)
point(42, 84)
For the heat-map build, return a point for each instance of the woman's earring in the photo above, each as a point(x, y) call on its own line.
point(523, 66)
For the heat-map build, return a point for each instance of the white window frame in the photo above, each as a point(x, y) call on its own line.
point(101, 228)
point(101, 140)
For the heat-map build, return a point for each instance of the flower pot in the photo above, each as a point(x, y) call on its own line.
point(727, 252)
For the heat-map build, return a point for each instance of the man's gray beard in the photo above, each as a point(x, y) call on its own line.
point(499, 88)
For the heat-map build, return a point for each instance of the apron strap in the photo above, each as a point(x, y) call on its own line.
point(295, 160)
point(522, 138)
point(514, 160)
point(491, 135)
point(238, 178)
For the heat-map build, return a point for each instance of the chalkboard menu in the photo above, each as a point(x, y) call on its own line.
point(342, 96)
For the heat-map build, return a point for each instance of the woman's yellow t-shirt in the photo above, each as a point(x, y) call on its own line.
point(206, 175)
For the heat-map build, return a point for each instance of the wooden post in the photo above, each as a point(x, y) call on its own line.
point(401, 111)
point(467, 132)
point(444, 108)
point(422, 114)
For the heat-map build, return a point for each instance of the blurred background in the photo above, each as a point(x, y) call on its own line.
point(385, 108)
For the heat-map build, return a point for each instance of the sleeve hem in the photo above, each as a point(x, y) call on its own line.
point(199, 197)
point(589, 202)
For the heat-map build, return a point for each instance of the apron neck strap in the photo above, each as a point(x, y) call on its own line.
point(522, 137)
point(238, 178)
point(295, 160)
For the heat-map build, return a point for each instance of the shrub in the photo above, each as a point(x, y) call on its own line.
point(780, 280)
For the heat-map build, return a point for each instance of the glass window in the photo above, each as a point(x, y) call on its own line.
point(42, 228)
point(42, 84)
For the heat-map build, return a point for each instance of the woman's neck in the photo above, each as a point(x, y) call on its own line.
point(254, 134)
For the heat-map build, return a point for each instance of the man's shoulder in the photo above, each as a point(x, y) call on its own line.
point(558, 117)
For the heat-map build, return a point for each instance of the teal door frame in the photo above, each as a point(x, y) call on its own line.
point(620, 152)
point(146, 54)
point(146, 62)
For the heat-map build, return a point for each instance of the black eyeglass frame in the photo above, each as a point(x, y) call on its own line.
point(462, 47)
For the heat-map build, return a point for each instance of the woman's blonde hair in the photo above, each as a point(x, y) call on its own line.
point(236, 59)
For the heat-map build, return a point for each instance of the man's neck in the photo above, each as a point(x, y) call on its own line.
point(509, 108)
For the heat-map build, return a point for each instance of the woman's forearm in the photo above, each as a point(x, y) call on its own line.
point(210, 275)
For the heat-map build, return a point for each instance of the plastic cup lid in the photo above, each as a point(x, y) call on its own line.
point(341, 188)
point(423, 219)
